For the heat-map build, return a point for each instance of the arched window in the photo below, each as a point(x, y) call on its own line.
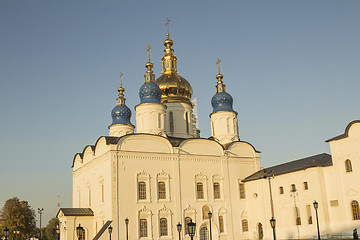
point(297, 216)
point(143, 227)
point(260, 231)
point(221, 224)
point(348, 167)
point(309, 217)
point(199, 190)
point(82, 237)
point(293, 188)
point(187, 122)
point(187, 220)
point(142, 190)
point(244, 225)
point(242, 190)
point(355, 210)
point(204, 235)
point(205, 212)
point(163, 227)
point(171, 121)
point(162, 190)
point(216, 190)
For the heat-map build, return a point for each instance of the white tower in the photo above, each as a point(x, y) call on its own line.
point(150, 113)
point(224, 123)
point(121, 115)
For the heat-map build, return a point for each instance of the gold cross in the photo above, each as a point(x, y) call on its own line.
point(121, 75)
point(148, 51)
point(167, 26)
point(218, 63)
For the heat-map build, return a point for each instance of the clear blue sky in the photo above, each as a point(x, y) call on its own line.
point(292, 68)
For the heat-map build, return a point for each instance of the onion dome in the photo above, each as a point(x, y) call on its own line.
point(121, 114)
point(149, 91)
point(221, 101)
point(174, 88)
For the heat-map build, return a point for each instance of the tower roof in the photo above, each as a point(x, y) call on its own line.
point(221, 101)
point(121, 114)
point(149, 91)
point(174, 88)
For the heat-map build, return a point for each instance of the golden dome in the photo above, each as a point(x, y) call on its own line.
point(174, 88)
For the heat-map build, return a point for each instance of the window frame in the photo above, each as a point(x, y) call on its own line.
point(200, 178)
point(281, 190)
point(143, 177)
point(242, 190)
point(355, 210)
point(348, 166)
point(244, 225)
point(165, 178)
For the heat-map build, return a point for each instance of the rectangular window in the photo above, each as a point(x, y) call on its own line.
point(281, 190)
point(163, 227)
point(334, 203)
point(221, 224)
point(142, 190)
point(162, 190)
point(293, 188)
point(242, 190)
point(245, 226)
point(306, 187)
point(171, 121)
point(216, 190)
point(199, 190)
point(143, 228)
point(187, 122)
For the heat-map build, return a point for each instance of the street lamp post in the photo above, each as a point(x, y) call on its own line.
point(191, 226)
point(79, 231)
point(179, 229)
point(110, 231)
point(210, 215)
point(273, 223)
point(127, 228)
point(6, 233)
point(316, 205)
point(40, 211)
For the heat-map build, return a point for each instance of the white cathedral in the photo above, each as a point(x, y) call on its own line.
point(165, 174)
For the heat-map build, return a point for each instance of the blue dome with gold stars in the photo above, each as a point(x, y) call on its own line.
point(222, 101)
point(121, 114)
point(150, 93)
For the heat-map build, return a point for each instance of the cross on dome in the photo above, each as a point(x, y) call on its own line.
point(167, 27)
point(218, 63)
point(148, 52)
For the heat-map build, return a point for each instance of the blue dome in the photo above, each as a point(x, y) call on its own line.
point(150, 93)
point(222, 101)
point(121, 114)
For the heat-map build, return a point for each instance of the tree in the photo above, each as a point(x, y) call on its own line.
point(18, 217)
point(51, 228)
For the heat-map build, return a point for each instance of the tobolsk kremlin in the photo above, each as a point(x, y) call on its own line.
point(158, 179)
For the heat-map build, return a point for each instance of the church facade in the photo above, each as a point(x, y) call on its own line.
point(164, 174)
